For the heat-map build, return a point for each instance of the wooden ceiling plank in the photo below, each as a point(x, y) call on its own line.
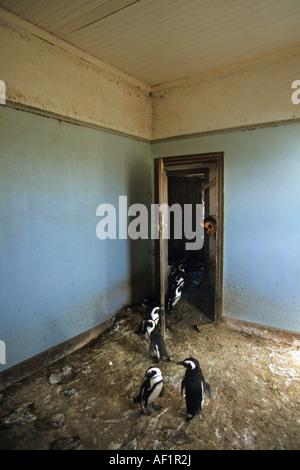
point(97, 14)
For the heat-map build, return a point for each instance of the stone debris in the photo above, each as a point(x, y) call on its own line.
point(71, 393)
point(22, 415)
point(58, 377)
point(54, 421)
point(65, 443)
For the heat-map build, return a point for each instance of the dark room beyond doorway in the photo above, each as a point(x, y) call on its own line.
point(198, 266)
point(190, 179)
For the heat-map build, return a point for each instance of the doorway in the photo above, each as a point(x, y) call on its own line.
point(191, 179)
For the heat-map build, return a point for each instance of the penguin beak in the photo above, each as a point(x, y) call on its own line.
point(180, 363)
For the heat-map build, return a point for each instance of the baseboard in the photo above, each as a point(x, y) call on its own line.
point(46, 358)
point(24, 369)
point(278, 335)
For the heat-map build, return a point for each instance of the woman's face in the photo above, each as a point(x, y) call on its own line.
point(210, 228)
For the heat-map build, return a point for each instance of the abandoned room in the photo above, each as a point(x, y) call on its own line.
point(110, 109)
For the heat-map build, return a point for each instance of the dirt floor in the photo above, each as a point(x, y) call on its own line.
point(85, 401)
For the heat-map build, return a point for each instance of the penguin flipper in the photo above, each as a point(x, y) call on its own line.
point(182, 386)
point(207, 388)
point(139, 331)
point(137, 399)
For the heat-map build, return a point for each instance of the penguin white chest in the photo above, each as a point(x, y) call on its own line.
point(203, 396)
point(156, 392)
point(156, 352)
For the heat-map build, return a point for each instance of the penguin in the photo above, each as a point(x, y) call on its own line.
point(179, 281)
point(181, 269)
point(157, 348)
point(152, 388)
point(175, 285)
point(195, 387)
point(174, 294)
point(172, 271)
point(154, 315)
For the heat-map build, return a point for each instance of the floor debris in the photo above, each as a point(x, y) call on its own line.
point(85, 401)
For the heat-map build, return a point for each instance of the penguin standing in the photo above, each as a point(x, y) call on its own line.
point(152, 388)
point(174, 295)
point(195, 387)
point(154, 315)
point(175, 285)
point(157, 348)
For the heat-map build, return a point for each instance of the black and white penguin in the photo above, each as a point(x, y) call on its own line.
point(179, 281)
point(175, 285)
point(181, 268)
point(157, 348)
point(154, 315)
point(195, 386)
point(176, 268)
point(174, 295)
point(152, 388)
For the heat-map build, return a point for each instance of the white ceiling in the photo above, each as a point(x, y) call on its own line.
point(157, 41)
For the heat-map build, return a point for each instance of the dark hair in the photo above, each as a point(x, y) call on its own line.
point(210, 218)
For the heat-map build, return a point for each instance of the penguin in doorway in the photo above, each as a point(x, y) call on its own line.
point(195, 387)
point(152, 388)
point(157, 348)
point(175, 285)
point(173, 296)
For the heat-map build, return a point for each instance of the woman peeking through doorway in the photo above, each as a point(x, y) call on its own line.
point(210, 225)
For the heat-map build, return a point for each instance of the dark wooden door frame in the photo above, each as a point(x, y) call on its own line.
point(191, 162)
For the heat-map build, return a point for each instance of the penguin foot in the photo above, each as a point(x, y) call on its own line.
point(145, 411)
point(155, 359)
point(189, 417)
point(166, 359)
point(156, 407)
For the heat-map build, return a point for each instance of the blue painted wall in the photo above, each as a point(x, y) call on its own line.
point(57, 279)
point(262, 223)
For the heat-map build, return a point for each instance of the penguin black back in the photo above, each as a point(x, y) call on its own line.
point(195, 386)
